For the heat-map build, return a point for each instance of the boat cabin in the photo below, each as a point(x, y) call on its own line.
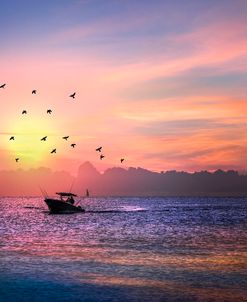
point(67, 197)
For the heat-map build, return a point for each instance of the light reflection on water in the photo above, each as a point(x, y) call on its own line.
point(124, 249)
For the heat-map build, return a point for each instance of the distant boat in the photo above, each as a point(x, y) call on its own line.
point(87, 193)
point(64, 205)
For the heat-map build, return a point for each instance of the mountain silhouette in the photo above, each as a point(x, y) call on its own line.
point(88, 170)
point(118, 181)
point(141, 182)
point(87, 177)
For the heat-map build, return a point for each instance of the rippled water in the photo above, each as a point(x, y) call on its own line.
point(124, 249)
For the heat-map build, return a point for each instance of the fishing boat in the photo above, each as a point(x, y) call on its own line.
point(63, 205)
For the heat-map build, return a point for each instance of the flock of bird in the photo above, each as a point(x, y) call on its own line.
point(49, 111)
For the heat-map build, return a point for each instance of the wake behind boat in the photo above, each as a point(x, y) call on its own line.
point(64, 205)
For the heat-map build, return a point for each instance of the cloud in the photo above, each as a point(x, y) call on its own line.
point(164, 77)
point(189, 84)
point(181, 127)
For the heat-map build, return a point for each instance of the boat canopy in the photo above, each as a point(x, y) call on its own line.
point(65, 194)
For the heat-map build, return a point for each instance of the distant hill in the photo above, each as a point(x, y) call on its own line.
point(123, 182)
point(141, 182)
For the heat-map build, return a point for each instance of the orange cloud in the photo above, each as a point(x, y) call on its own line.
point(154, 132)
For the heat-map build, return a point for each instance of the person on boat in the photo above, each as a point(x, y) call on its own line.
point(71, 200)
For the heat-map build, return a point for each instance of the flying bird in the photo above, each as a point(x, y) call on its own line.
point(73, 145)
point(122, 159)
point(65, 137)
point(24, 112)
point(12, 138)
point(98, 149)
point(3, 86)
point(44, 138)
point(17, 159)
point(102, 156)
point(49, 111)
point(72, 95)
point(34, 91)
point(54, 151)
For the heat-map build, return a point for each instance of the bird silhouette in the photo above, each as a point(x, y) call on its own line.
point(54, 151)
point(24, 112)
point(34, 91)
point(122, 159)
point(17, 159)
point(73, 145)
point(49, 111)
point(102, 156)
point(44, 138)
point(72, 95)
point(12, 138)
point(98, 149)
point(65, 137)
point(3, 86)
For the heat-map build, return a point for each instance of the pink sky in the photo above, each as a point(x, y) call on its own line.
point(160, 98)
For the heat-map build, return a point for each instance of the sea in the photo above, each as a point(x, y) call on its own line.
point(124, 249)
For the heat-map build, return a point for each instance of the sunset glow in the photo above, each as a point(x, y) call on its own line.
point(165, 90)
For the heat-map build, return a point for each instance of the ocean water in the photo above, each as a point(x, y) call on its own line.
point(124, 249)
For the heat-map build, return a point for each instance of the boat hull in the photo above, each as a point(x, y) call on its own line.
point(61, 207)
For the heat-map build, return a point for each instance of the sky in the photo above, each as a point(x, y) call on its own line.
point(159, 83)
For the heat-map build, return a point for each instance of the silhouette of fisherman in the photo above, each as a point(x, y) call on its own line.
point(71, 199)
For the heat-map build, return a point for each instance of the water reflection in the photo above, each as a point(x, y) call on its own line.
point(212, 293)
point(148, 245)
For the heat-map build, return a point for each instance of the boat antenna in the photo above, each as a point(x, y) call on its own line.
point(72, 185)
point(44, 193)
